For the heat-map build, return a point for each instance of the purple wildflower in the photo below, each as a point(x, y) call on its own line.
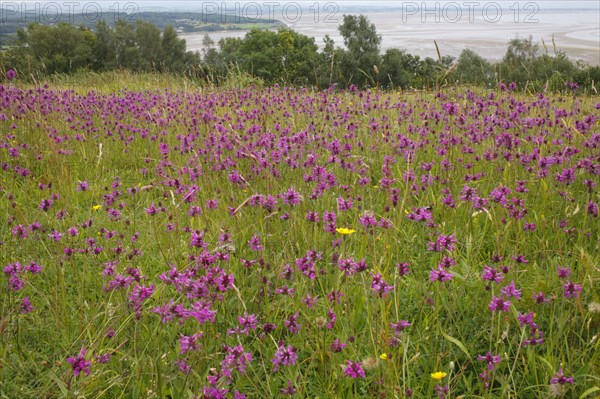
point(33, 268)
point(379, 286)
point(45, 204)
point(312, 216)
point(285, 356)
point(571, 290)
point(347, 265)
point(83, 186)
point(490, 359)
point(442, 391)
point(337, 346)
point(212, 204)
point(309, 301)
point(560, 379)
point(354, 370)
point(332, 317)
point(189, 343)
point(151, 210)
point(592, 208)
point(422, 214)
point(292, 323)
point(447, 262)
point(440, 274)
point(400, 326)
point(255, 243)
point(491, 274)
point(563, 272)
point(529, 226)
point(291, 197)
point(103, 358)
point(236, 359)
point(403, 268)
point(79, 364)
point(26, 306)
point(499, 304)
point(368, 220)
point(539, 297)
point(183, 366)
point(344, 205)
point(248, 322)
point(511, 291)
point(443, 243)
point(289, 390)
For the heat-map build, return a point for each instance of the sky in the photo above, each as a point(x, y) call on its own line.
point(543, 4)
point(198, 4)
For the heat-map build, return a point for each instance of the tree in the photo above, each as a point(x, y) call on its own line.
point(298, 57)
point(472, 68)
point(399, 68)
point(57, 49)
point(516, 66)
point(64, 48)
point(258, 54)
point(104, 54)
point(173, 51)
point(148, 40)
point(126, 50)
point(362, 56)
point(589, 77)
point(327, 65)
point(553, 72)
point(521, 50)
point(207, 44)
point(283, 56)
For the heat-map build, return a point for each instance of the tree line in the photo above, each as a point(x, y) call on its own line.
point(286, 57)
point(64, 48)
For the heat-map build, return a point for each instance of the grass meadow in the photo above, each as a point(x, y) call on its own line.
point(164, 240)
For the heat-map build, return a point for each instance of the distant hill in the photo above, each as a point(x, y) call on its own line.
point(184, 22)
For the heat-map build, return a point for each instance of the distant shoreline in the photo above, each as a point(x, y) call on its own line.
point(577, 34)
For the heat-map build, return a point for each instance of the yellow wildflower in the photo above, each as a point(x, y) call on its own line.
point(96, 207)
point(438, 375)
point(344, 231)
point(383, 356)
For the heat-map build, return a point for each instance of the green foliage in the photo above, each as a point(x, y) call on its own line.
point(67, 49)
point(285, 56)
point(148, 41)
point(298, 57)
point(588, 77)
point(359, 63)
point(472, 68)
point(127, 52)
point(104, 51)
point(173, 54)
point(217, 63)
point(524, 65)
point(260, 55)
point(59, 49)
point(517, 64)
point(327, 65)
point(399, 68)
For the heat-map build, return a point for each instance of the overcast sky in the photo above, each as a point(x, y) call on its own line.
point(573, 9)
point(383, 3)
point(197, 4)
